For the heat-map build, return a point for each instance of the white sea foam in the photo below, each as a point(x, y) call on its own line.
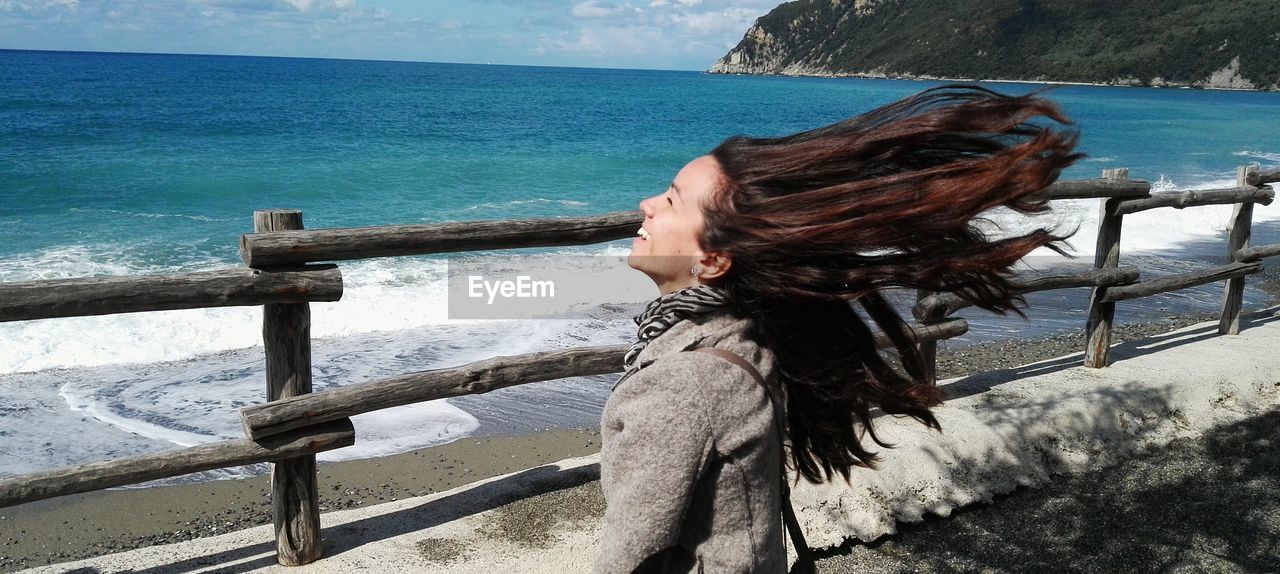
point(1270, 156)
point(379, 295)
point(533, 201)
point(147, 215)
point(1164, 229)
point(400, 429)
point(156, 406)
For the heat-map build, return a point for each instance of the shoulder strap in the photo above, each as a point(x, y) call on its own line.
point(804, 558)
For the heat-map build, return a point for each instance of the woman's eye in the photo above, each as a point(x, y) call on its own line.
point(669, 202)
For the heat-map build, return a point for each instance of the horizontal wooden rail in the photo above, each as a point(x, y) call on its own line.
point(941, 305)
point(337, 244)
point(1264, 177)
point(1180, 281)
point(1094, 188)
point(97, 476)
point(220, 288)
point(1258, 252)
point(473, 378)
point(1192, 198)
point(302, 246)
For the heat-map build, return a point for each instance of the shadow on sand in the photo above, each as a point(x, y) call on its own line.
point(344, 537)
point(985, 381)
point(1206, 504)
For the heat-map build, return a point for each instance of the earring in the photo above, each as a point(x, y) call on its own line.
point(694, 270)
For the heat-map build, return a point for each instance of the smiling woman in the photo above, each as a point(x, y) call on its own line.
point(667, 248)
point(757, 250)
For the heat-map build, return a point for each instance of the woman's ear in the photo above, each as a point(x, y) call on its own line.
point(713, 266)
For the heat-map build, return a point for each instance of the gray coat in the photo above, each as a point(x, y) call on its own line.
point(690, 457)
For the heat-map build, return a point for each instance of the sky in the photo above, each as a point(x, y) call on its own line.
point(650, 34)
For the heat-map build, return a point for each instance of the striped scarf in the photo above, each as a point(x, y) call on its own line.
point(665, 311)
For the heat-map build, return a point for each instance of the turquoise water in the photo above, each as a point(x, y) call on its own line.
point(160, 160)
point(116, 164)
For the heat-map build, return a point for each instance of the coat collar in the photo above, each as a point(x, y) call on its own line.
point(719, 329)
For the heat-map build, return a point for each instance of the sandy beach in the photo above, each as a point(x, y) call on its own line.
point(102, 522)
point(97, 523)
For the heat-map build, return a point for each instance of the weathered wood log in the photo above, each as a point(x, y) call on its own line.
point(1096, 188)
point(293, 247)
point(1106, 256)
point(1258, 252)
point(928, 350)
point(1192, 198)
point(473, 378)
point(1263, 177)
point(927, 333)
point(286, 338)
point(1182, 281)
point(133, 470)
point(939, 305)
point(1238, 232)
point(220, 288)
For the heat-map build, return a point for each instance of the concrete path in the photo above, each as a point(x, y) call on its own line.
point(1003, 429)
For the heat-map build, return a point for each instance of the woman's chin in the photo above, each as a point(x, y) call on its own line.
point(634, 259)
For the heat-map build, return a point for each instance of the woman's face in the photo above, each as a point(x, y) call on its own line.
point(666, 247)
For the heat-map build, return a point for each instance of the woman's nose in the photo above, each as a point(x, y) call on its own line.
point(646, 206)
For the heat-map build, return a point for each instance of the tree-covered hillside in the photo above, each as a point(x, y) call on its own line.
point(1217, 43)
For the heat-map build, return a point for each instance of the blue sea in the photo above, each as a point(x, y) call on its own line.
point(128, 164)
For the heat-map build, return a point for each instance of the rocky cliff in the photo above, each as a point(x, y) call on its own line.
point(1195, 43)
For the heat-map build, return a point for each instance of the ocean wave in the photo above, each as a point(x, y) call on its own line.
point(101, 260)
point(534, 201)
point(379, 295)
point(149, 215)
point(1273, 157)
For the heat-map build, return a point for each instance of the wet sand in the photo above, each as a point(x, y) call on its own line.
point(103, 522)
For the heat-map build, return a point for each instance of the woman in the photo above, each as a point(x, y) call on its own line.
point(758, 249)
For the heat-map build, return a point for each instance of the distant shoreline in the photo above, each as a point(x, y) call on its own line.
point(931, 78)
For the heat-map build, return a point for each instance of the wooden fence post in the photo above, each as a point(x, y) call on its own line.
point(286, 337)
point(1106, 256)
point(1238, 232)
point(928, 349)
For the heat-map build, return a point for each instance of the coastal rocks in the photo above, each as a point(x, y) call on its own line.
point(758, 53)
point(1229, 77)
point(968, 40)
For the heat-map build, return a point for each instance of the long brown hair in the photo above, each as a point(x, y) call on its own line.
point(886, 199)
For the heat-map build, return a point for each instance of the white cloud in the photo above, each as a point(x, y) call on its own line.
point(605, 41)
point(665, 28)
point(594, 9)
point(645, 33)
point(305, 5)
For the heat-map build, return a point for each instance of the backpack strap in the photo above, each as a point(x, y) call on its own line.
point(804, 557)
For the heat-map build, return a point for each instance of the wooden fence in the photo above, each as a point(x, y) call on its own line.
point(283, 276)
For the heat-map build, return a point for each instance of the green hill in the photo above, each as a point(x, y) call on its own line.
point(1198, 43)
